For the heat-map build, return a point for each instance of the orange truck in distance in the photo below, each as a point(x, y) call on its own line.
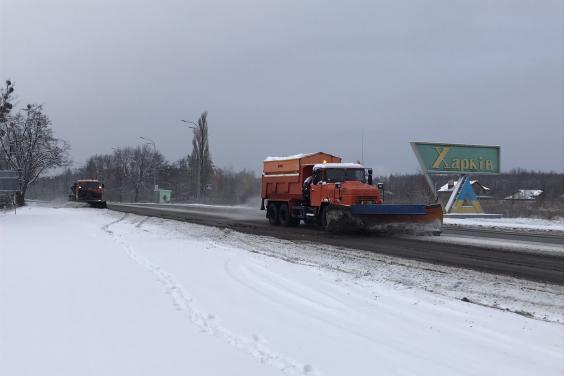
point(89, 191)
point(319, 188)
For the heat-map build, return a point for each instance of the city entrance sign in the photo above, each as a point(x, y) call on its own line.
point(460, 159)
point(457, 158)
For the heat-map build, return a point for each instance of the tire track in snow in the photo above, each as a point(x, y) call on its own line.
point(142, 222)
point(106, 227)
point(184, 303)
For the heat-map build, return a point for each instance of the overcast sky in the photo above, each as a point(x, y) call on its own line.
point(286, 77)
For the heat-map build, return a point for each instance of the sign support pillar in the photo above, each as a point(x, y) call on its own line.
point(459, 184)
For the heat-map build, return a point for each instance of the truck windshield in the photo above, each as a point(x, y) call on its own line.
point(333, 175)
point(89, 184)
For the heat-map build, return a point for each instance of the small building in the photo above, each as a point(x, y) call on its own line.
point(162, 196)
point(479, 189)
point(526, 194)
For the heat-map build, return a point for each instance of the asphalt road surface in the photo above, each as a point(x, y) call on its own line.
point(527, 264)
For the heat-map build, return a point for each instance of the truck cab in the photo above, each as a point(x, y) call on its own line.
point(341, 183)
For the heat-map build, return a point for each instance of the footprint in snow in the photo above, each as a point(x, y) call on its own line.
point(308, 369)
point(259, 339)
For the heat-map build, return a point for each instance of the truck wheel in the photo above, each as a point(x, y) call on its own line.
point(273, 214)
point(286, 218)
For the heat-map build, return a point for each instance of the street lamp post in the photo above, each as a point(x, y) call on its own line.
point(149, 141)
point(198, 167)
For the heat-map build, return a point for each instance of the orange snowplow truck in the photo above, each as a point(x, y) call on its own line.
point(88, 190)
point(319, 188)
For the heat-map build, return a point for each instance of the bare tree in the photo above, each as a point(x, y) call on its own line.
point(201, 157)
point(6, 97)
point(140, 164)
point(5, 100)
point(119, 171)
point(29, 147)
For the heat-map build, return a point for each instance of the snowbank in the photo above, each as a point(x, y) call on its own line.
point(289, 157)
point(509, 223)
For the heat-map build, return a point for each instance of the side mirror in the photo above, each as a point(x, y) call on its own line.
point(103, 186)
point(369, 176)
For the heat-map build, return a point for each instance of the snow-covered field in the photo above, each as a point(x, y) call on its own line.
point(96, 292)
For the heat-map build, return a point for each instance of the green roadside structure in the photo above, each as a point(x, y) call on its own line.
point(460, 159)
point(162, 196)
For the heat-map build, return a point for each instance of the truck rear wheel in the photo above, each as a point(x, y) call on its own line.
point(273, 214)
point(286, 218)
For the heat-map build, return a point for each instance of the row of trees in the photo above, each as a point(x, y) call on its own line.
point(28, 146)
point(129, 174)
point(27, 142)
point(414, 188)
point(128, 177)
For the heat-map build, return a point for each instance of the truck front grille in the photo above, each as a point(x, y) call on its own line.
point(366, 200)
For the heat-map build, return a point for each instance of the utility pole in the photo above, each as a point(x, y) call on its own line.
point(362, 147)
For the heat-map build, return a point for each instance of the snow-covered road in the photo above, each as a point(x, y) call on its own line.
point(95, 292)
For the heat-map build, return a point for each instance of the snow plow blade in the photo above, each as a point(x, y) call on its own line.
point(407, 219)
point(98, 204)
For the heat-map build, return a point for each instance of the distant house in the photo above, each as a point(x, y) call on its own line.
point(479, 189)
point(526, 194)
